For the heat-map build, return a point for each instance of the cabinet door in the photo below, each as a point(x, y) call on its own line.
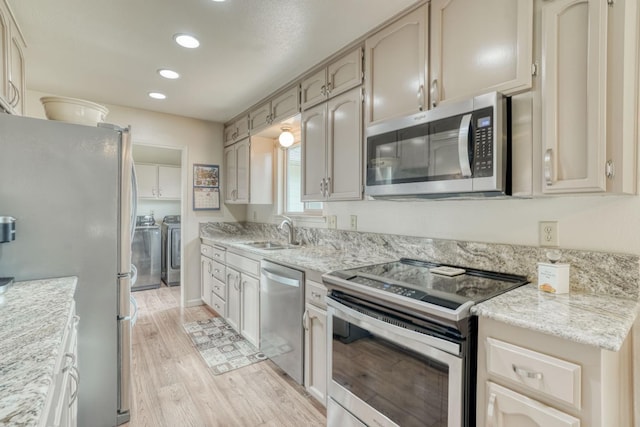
point(147, 177)
point(507, 408)
point(315, 350)
point(479, 47)
point(233, 299)
point(4, 53)
point(573, 95)
point(260, 117)
point(314, 89)
point(205, 279)
point(314, 163)
point(395, 67)
point(345, 73)
point(169, 180)
point(251, 309)
point(16, 74)
point(285, 105)
point(344, 144)
point(230, 174)
point(229, 134)
point(243, 171)
point(261, 174)
point(242, 126)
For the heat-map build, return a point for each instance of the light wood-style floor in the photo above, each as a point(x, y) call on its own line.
point(173, 387)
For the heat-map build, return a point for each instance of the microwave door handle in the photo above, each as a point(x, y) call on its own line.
point(463, 145)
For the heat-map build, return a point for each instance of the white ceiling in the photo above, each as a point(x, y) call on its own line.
point(109, 50)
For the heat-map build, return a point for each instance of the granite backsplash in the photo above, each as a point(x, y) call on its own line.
point(591, 272)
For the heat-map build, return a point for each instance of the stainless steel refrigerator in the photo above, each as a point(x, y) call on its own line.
point(71, 189)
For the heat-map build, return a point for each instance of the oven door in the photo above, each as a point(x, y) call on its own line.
point(386, 375)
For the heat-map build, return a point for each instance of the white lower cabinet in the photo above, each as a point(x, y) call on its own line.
point(62, 401)
point(507, 408)
point(315, 341)
point(243, 296)
point(233, 298)
point(205, 279)
point(213, 289)
point(250, 310)
point(531, 379)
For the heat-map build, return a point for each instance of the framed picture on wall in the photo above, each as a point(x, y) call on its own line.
point(206, 187)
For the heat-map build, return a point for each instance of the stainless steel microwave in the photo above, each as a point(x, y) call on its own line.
point(458, 149)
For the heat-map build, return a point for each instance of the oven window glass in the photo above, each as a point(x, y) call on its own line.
point(408, 388)
point(427, 152)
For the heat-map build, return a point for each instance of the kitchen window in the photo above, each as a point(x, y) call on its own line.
point(293, 185)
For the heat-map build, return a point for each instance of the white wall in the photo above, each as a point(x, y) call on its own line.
point(201, 142)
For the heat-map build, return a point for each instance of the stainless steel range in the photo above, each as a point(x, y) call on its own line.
point(403, 351)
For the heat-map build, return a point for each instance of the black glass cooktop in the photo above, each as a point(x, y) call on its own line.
point(414, 279)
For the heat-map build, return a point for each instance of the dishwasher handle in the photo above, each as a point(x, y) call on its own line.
point(271, 275)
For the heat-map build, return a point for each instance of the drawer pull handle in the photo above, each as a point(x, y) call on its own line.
point(491, 409)
point(527, 374)
point(316, 295)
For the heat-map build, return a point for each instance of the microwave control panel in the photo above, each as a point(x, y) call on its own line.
point(483, 143)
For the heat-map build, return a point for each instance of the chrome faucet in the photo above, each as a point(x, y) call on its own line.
point(289, 223)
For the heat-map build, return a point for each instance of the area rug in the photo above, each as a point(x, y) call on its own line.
point(221, 347)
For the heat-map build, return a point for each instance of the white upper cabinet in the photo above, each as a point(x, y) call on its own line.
point(237, 130)
point(332, 149)
point(588, 84)
point(478, 47)
point(237, 164)
point(158, 181)
point(339, 76)
point(12, 63)
point(248, 166)
point(396, 68)
point(281, 107)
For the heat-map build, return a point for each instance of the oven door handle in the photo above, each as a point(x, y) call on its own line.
point(437, 348)
point(463, 145)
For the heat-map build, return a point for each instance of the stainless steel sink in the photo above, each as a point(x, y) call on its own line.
point(269, 245)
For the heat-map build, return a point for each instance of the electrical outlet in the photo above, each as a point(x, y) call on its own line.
point(548, 233)
point(255, 215)
point(332, 221)
point(354, 222)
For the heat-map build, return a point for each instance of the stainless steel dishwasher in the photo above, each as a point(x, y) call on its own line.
point(281, 311)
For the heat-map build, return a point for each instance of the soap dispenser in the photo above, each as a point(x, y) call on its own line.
point(553, 277)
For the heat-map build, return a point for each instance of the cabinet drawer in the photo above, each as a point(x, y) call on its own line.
point(315, 294)
point(206, 250)
point(219, 289)
point(218, 270)
point(218, 305)
point(218, 253)
point(548, 375)
point(245, 265)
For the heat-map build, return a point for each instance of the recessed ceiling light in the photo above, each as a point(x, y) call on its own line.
point(185, 40)
point(218, 0)
point(168, 74)
point(157, 95)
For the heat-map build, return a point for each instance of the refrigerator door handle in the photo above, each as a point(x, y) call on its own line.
point(127, 212)
point(124, 362)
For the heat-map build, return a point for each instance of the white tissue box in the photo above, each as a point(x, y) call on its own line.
point(553, 278)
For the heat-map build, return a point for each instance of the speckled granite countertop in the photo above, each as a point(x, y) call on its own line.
point(586, 315)
point(599, 320)
point(320, 259)
point(33, 316)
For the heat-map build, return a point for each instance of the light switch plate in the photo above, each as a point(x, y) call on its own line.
point(354, 222)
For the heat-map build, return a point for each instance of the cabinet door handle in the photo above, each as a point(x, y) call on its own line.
point(159, 191)
point(75, 374)
point(322, 186)
point(305, 318)
point(327, 183)
point(421, 98)
point(323, 90)
point(153, 191)
point(209, 267)
point(315, 295)
point(548, 166)
point(435, 93)
point(525, 373)
point(329, 88)
point(491, 409)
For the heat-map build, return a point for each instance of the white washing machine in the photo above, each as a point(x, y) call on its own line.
point(171, 250)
